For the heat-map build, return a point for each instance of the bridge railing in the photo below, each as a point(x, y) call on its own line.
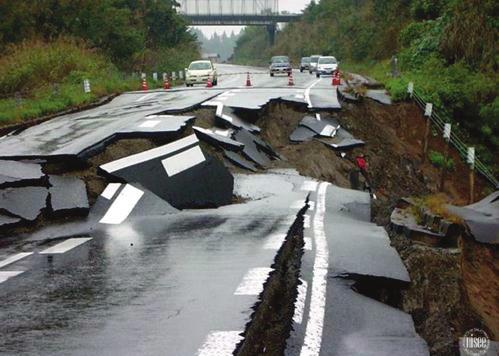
point(229, 7)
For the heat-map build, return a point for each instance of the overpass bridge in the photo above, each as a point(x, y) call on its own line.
point(236, 13)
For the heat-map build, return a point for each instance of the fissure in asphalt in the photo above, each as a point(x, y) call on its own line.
point(271, 322)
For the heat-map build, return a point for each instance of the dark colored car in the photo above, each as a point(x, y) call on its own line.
point(280, 65)
point(305, 64)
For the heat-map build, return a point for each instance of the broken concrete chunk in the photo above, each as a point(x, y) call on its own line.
point(16, 174)
point(218, 139)
point(68, 194)
point(239, 161)
point(26, 203)
point(379, 95)
point(180, 173)
point(7, 222)
point(154, 125)
point(302, 134)
point(227, 116)
point(251, 149)
point(326, 127)
point(346, 94)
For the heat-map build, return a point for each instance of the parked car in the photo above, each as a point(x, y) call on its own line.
point(199, 72)
point(305, 64)
point(280, 65)
point(313, 62)
point(326, 65)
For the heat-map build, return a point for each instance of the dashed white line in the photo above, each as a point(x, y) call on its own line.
point(5, 275)
point(315, 324)
point(122, 206)
point(274, 242)
point(182, 161)
point(65, 246)
point(300, 302)
point(306, 221)
point(220, 343)
point(144, 97)
point(252, 283)
point(311, 206)
point(14, 258)
point(307, 243)
point(297, 204)
point(149, 124)
point(110, 190)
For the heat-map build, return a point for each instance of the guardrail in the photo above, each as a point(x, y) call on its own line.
point(455, 140)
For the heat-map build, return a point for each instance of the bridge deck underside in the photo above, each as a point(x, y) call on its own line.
point(240, 20)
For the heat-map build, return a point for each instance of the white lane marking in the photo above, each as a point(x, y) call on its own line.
point(110, 190)
point(311, 206)
point(274, 242)
point(308, 243)
point(183, 161)
point(150, 123)
point(252, 283)
point(318, 117)
point(220, 343)
point(150, 154)
point(328, 130)
point(306, 221)
point(223, 98)
point(309, 185)
point(14, 258)
point(122, 206)
point(313, 333)
point(65, 246)
point(307, 92)
point(5, 275)
point(300, 302)
point(144, 97)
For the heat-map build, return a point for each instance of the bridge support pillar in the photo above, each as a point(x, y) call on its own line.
point(271, 30)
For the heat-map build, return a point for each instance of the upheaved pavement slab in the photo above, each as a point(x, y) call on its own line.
point(171, 284)
point(180, 173)
point(326, 127)
point(26, 203)
point(68, 195)
point(379, 95)
point(252, 148)
point(302, 134)
point(8, 221)
point(15, 174)
point(218, 138)
point(83, 134)
point(342, 248)
point(240, 161)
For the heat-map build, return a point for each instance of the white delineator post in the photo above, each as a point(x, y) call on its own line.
point(446, 135)
point(410, 89)
point(427, 113)
point(470, 159)
point(86, 86)
point(155, 76)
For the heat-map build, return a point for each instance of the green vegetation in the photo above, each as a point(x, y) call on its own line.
point(439, 161)
point(223, 44)
point(448, 48)
point(49, 47)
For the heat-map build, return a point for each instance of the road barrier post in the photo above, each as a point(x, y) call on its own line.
point(155, 76)
point(86, 86)
point(174, 76)
point(248, 80)
point(143, 76)
point(427, 113)
point(471, 161)
point(446, 135)
point(181, 75)
point(410, 89)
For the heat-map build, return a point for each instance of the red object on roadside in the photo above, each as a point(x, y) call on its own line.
point(166, 84)
point(336, 78)
point(144, 86)
point(248, 80)
point(291, 82)
point(361, 163)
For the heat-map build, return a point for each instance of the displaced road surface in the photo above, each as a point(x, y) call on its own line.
point(177, 251)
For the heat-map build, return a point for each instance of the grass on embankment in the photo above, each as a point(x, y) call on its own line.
point(41, 78)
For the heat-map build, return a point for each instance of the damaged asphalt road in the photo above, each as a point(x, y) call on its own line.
point(181, 254)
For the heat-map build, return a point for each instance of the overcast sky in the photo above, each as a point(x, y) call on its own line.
point(294, 6)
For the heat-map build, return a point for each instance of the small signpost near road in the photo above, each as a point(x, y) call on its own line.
point(470, 159)
point(446, 135)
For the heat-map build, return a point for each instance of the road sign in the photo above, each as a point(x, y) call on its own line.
point(428, 110)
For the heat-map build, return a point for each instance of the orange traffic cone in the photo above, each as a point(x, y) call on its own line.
point(166, 84)
point(248, 80)
point(209, 83)
point(144, 85)
point(291, 82)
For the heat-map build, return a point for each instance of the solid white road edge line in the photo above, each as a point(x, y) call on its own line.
point(220, 343)
point(122, 206)
point(65, 246)
point(14, 258)
point(300, 301)
point(313, 333)
point(252, 283)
